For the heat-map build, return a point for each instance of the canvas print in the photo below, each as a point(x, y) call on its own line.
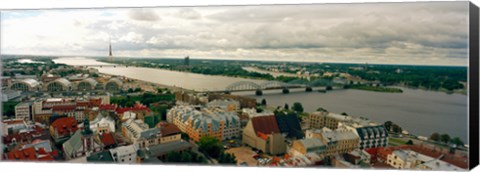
point(361, 86)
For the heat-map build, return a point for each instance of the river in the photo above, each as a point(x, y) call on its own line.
point(417, 111)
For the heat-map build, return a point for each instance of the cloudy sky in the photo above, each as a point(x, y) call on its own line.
point(388, 33)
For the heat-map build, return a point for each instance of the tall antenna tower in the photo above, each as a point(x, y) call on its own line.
point(110, 50)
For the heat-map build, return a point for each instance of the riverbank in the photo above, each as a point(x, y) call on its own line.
point(376, 89)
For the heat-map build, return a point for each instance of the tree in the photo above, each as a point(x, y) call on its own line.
point(435, 137)
point(322, 109)
point(185, 136)
point(457, 141)
point(329, 87)
point(286, 106)
point(211, 146)
point(344, 114)
point(396, 128)
point(388, 125)
point(445, 138)
point(297, 106)
point(409, 142)
point(227, 158)
point(264, 102)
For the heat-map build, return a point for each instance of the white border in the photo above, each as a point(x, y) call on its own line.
point(48, 4)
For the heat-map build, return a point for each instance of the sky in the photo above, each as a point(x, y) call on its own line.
point(425, 33)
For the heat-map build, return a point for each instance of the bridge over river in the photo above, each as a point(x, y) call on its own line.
point(242, 86)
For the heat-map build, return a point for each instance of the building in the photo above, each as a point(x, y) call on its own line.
point(25, 85)
point(139, 133)
point(197, 122)
point(170, 132)
point(58, 85)
point(125, 154)
point(262, 133)
point(320, 119)
point(63, 128)
point(371, 134)
point(408, 159)
point(29, 154)
point(228, 105)
point(245, 102)
point(307, 146)
point(14, 126)
point(80, 145)
point(8, 94)
point(113, 84)
point(87, 84)
point(103, 124)
point(337, 141)
point(23, 111)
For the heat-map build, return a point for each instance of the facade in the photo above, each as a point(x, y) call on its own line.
point(114, 84)
point(337, 141)
point(308, 146)
point(23, 111)
point(408, 159)
point(60, 84)
point(318, 120)
point(8, 94)
point(102, 124)
point(139, 133)
point(198, 122)
point(245, 102)
point(25, 85)
point(125, 154)
point(87, 84)
point(262, 132)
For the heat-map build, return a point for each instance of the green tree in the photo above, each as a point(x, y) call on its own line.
point(185, 136)
point(320, 109)
point(211, 146)
point(396, 128)
point(264, 102)
point(297, 106)
point(457, 141)
point(286, 106)
point(409, 142)
point(388, 125)
point(435, 137)
point(445, 138)
point(344, 114)
point(227, 158)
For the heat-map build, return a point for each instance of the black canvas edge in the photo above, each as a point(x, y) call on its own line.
point(473, 86)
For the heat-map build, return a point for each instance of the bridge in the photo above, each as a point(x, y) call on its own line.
point(273, 85)
point(104, 66)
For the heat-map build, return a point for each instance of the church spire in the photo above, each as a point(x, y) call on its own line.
point(110, 48)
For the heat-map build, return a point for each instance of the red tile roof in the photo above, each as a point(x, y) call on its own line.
point(107, 107)
point(29, 154)
point(136, 107)
point(262, 136)
point(95, 102)
point(108, 139)
point(64, 107)
point(265, 124)
point(65, 125)
point(13, 121)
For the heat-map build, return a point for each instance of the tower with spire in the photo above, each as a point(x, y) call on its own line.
point(110, 50)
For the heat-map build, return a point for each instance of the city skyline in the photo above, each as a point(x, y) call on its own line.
point(429, 34)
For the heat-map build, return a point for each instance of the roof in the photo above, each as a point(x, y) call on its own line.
point(136, 107)
point(338, 135)
point(108, 139)
point(65, 125)
point(124, 150)
point(64, 82)
point(312, 144)
point(90, 81)
point(162, 149)
point(103, 156)
point(265, 124)
point(289, 124)
point(115, 80)
point(29, 154)
point(73, 144)
point(30, 82)
point(204, 117)
point(168, 129)
point(150, 133)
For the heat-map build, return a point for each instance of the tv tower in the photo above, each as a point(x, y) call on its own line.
point(110, 51)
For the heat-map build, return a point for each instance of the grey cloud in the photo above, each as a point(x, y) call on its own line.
point(143, 14)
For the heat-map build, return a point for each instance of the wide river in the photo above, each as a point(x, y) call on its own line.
point(417, 111)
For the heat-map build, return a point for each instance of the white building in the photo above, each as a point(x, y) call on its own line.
point(227, 105)
point(125, 154)
point(23, 111)
point(407, 159)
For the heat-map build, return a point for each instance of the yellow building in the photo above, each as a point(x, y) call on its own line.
point(262, 132)
point(318, 120)
point(337, 141)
